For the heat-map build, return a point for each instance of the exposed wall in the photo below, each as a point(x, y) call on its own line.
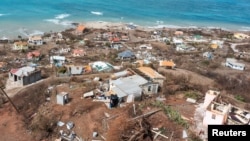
point(31, 78)
point(150, 88)
point(214, 118)
point(159, 80)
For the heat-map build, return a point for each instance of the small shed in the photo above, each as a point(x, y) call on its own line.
point(62, 98)
point(88, 94)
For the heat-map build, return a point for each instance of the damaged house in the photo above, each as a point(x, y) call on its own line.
point(132, 86)
point(20, 45)
point(25, 75)
point(35, 40)
point(167, 64)
point(218, 112)
point(57, 60)
point(151, 75)
point(232, 63)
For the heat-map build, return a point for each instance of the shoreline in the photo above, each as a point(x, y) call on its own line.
point(106, 25)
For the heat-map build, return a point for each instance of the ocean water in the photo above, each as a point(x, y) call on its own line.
point(25, 17)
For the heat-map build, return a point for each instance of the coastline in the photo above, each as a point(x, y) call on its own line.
point(25, 33)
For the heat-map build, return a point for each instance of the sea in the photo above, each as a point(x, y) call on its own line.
point(28, 17)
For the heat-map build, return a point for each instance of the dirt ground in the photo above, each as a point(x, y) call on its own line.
point(194, 77)
point(87, 116)
point(39, 113)
point(12, 126)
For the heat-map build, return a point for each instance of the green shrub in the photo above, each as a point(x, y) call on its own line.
point(240, 98)
point(171, 113)
point(62, 70)
point(205, 62)
point(192, 95)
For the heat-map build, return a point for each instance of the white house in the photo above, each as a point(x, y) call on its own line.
point(216, 114)
point(177, 41)
point(25, 75)
point(219, 43)
point(145, 46)
point(116, 46)
point(35, 40)
point(64, 50)
point(232, 63)
point(183, 47)
point(57, 60)
point(134, 85)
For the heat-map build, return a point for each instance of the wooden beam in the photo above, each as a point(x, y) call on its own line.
point(171, 136)
point(145, 115)
point(9, 99)
point(157, 134)
point(160, 134)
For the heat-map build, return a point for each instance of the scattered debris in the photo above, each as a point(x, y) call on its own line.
point(107, 115)
point(95, 134)
point(70, 125)
point(140, 131)
point(184, 134)
point(96, 79)
point(88, 94)
point(160, 98)
point(159, 133)
point(60, 123)
point(191, 100)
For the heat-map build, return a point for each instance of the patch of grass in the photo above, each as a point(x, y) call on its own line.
point(163, 130)
point(171, 113)
point(192, 95)
point(205, 62)
point(239, 98)
point(141, 106)
point(62, 70)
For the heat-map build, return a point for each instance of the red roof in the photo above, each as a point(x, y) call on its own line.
point(115, 39)
point(78, 51)
point(33, 54)
point(13, 71)
point(80, 28)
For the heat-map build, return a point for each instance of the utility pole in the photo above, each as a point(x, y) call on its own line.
point(2, 90)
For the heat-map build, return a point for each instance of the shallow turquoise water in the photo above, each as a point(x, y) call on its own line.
point(29, 16)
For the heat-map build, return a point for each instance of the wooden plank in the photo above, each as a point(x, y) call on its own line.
point(160, 134)
point(145, 115)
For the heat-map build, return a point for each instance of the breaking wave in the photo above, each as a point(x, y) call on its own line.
point(62, 16)
point(96, 13)
point(58, 20)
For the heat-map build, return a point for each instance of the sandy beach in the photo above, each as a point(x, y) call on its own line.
point(112, 25)
point(104, 25)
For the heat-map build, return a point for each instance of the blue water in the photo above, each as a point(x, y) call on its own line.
point(27, 16)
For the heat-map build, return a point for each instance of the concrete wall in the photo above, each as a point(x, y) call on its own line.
point(31, 78)
point(159, 80)
point(11, 76)
point(214, 118)
point(210, 96)
point(150, 88)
